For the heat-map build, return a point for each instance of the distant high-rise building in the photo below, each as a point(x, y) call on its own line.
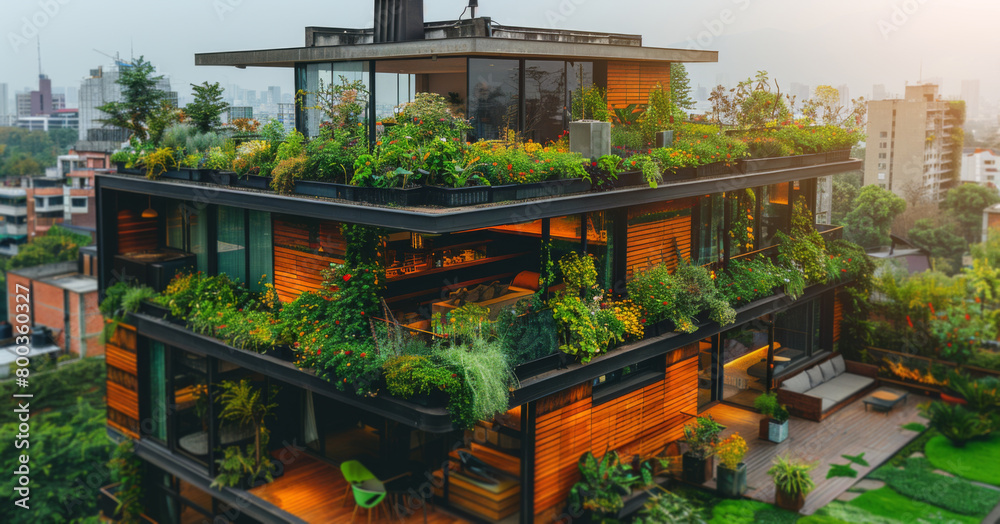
point(274, 94)
point(237, 112)
point(100, 88)
point(845, 95)
point(286, 115)
point(910, 147)
point(878, 92)
point(799, 91)
point(970, 93)
point(4, 102)
point(41, 101)
point(251, 98)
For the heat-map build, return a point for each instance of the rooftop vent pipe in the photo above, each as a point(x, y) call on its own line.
point(399, 20)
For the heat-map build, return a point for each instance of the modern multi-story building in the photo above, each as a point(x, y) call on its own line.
point(911, 148)
point(13, 220)
point(4, 104)
point(970, 93)
point(238, 112)
point(980, 166)
point(162, 376)
point(58, 119)
point(41, 101)
point(102, 87)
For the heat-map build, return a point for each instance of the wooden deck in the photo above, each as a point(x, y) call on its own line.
point(313, 491)
point(850, 431)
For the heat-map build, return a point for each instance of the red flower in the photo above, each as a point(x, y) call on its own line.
point(642, 321)
point(347, 353)
point(337, 322)
point(363, 355)
point(454, 375)
point(967, 317)
point(347, 277)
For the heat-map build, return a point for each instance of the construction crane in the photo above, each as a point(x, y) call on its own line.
point(116, 58)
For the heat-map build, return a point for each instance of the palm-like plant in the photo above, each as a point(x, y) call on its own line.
point(248, 406)
point(792, 476)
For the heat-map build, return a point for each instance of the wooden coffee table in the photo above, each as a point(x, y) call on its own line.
point(884, 399)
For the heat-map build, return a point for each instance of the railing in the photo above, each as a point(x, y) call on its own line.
point(108, 505)
point(917, 370)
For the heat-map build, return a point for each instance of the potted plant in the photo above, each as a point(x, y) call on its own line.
point(245, 405)
point(774, 425)
point(604, 484)
point(791, 482)
point(701, 438)
point(731, 473)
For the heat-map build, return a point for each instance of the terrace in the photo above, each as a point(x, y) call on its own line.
point(850, 431)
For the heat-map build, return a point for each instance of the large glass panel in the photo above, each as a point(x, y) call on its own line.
point(261, 250)
point(578, 74)
point(710, 229)
point(320, 76)
point(232, 242)
point(744, 362)
point(796, 335)
point(493, 97)
point(544, 99)
point(157, 408)
point(176, 226)
point(198, 223)
point(775, 212)
point(706, 372)
point(191, 398)
point(601, 245)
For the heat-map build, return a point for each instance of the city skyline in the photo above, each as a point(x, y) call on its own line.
point(891, 43)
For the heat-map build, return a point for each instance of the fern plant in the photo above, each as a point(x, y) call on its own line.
point(245, 405)
point(792, 476)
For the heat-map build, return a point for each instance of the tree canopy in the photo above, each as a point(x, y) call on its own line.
point(206, 110)
point(680, 87)
point(868, 224)
point(966, 204)
point(140, 99)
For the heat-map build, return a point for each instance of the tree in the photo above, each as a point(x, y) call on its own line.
point(206, 110)
point(680, 87)
point(966, 204)
point(844, 195)
point(874, 210)
point(140, 99)
point(825, 108)
point(942, 241)
point(58, 245)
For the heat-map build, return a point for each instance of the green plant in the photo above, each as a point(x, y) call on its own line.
point(654, 289)
point(981, 395)
point(767, 404)
point(804, 248)
point(603, 484)
point(918, 481)
point(286, 173)
point(847, 470)
point(485, 373)
point(791, 476)
point(590, 103)
point(126, 469)
point(665, 507)
point(158, 162)
point(610, 164)
point(247, 406)
point(955, 422)
point(237, 465)
point(140, 99)
point(207, 108)
point(703, 436)
point(731, 451)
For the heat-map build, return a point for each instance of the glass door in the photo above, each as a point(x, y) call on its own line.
point(743, 353)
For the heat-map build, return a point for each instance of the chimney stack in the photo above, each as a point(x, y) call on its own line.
point(399, 20)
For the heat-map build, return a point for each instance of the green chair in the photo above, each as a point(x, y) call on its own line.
point(369, 495)
point(354, 472)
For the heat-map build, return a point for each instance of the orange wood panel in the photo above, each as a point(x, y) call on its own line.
point(136, 234)
point(640, 422)
point(630, 82)
point(658, 233)
point(303, 249)
point(838, 316)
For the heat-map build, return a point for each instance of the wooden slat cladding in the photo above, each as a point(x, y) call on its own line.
point(136, 234)
point(302, 250)
point(122, 380)
point(838, 315)
point(630, 82)
point(658, 233)
point(641, 422)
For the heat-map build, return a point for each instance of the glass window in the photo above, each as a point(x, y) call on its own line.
point(320, 76)
point(232, 243)
point(157, 406)
point(79, 202)
point(600, 244)
point(261, 250)
point(710, 229)
point(493, 97)
point(744, 362)
point(56, 201)
point(706, 372)
point(796, 335)
point(189, 386)
point(775, 211)
point(544, 99)
point(616, 383)
point(578, 74)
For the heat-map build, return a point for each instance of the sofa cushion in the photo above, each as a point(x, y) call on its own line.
point(838, 364)
point(840, 388)
point(828, 372)
point(797, 384)
point(826, 404)
point(815, 376)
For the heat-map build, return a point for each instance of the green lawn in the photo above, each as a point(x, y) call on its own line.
point(885, 502)
point(978, 460)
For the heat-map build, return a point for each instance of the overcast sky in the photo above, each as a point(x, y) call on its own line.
point(853, 42)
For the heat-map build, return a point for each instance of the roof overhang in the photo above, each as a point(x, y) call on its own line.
point(452, 47)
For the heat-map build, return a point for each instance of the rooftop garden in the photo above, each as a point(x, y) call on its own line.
point(421, 156)
point(344, 334)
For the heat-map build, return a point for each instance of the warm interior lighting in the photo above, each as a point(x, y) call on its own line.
point(150, 212)
point(778, 194)
point(901, 371)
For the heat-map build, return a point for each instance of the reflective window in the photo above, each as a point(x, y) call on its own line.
point(544, 99)
point(493, 97)
point(314, 77)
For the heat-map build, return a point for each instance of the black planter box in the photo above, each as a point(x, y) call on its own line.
point(155, 310)
point(282, 352)
point(324, 189)
point(658, 328)
point(630, 179)
point(551, 188)
point(538, 366)
point(713, 169)
point(683, 173)
point(177, 174)
point(697, 470)
point(503, 193)
point(390, 196)
point(253, 182)
point(840, 155)
point(457, 197)
point(120, 167)
point(757, 165)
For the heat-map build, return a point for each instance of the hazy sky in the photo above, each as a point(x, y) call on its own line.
point(854, 42)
